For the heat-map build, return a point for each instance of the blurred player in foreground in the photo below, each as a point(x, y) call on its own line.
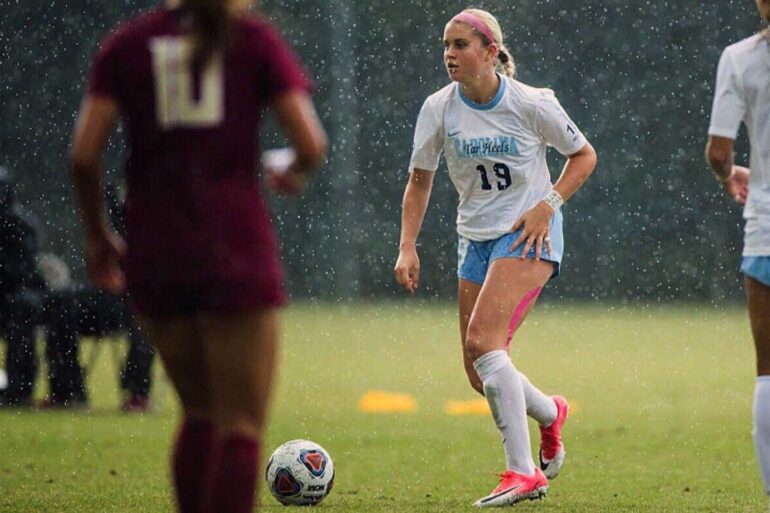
point(742, 94)
point(494, 132)
point(190, 80)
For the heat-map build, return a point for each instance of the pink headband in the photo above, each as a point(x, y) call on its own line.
point(475, 22)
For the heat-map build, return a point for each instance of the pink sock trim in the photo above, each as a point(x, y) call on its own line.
point(519, 312)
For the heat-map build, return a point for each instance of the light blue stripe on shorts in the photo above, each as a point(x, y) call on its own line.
point(475, 257)
point(757, 267)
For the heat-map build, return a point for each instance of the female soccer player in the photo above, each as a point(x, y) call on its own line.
point(494, 132)
point(743, 95)
point(190, 81)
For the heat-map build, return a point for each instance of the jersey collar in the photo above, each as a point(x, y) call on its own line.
point(491, 104)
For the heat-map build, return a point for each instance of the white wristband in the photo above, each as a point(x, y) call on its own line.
point(279, 160)
point(554, 200)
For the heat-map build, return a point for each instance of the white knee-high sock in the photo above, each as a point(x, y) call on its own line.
point(502, 388)
point(761, 430)
point(539, 406)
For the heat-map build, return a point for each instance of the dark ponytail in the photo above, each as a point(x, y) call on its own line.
point(210, 22)
point(506, 61)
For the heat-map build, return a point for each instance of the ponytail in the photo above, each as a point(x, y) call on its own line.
point(506, 61)
point(210, 21)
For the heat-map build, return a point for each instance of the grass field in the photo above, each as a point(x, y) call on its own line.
point(661, 422)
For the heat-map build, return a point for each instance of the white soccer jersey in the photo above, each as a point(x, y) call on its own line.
point(495, 152)
point(743, 95)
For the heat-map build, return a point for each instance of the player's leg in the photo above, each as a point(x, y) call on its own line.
point(546, 410)
point(473, 261)
point(240, 354)
point(508, 283)
point(549, 412)
point(758, 296)
point(182, 355)
point(540, 407)
point(467, 294)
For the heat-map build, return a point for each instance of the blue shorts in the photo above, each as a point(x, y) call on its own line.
point(757, 267)
point(475, 257)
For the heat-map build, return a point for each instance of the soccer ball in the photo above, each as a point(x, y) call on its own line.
point(300, 473)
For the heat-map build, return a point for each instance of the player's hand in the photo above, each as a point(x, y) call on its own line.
point(104, 253)
point(407, 269)
point(281, 171)
point(535, 226)
point(737, 187)
point(286, 183)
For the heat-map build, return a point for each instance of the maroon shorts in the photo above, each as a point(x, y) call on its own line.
point(165, 301)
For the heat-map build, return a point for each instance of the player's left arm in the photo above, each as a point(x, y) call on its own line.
point(96, 120)
point(537, 221)
point(556, 129)
point(299, 120)
point(576, 171)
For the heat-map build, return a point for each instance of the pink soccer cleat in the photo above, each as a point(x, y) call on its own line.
point(551, 447)
point(515, 488)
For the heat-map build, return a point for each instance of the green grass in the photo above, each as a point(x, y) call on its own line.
point(662, 419)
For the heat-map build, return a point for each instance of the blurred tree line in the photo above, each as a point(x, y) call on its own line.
point(636, 76)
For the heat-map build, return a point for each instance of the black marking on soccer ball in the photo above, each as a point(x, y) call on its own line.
point(285, 484)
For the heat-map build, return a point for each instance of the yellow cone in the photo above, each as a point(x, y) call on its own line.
point(474, 407)
point(378, 401)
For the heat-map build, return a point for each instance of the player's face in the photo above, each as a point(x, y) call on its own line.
point(764, 9)
point(465, 57)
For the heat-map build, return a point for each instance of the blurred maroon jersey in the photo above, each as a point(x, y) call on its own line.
point(196, 221)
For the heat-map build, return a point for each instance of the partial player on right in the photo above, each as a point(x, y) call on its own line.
point(743, 95)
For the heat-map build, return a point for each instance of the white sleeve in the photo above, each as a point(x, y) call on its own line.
point(428, 137)
point(728, 109)
point(555, 127)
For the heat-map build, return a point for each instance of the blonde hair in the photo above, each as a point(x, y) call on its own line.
point(504, 59)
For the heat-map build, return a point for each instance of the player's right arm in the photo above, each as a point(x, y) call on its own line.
point(98, 115)
point(104, 248)
point(734, 179)
point(428, 146)
point(413, 207)
point(299, 121)
point(727, 112)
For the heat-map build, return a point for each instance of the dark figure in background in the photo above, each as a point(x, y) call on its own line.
point(74, 312)
point(81, 311)
point(21, 295)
